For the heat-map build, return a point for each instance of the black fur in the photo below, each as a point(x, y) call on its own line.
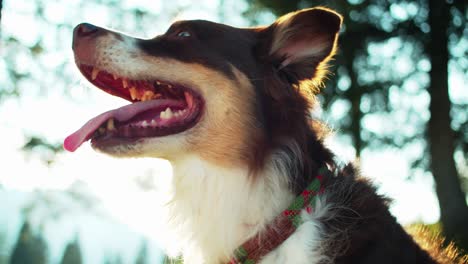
point(361, 228)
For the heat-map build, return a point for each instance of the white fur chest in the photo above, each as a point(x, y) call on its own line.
point(212, 210)
point(304, 246)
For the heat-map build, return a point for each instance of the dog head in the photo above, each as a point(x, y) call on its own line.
point(229, 95)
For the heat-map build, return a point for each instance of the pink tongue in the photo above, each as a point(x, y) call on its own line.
point(125, 113)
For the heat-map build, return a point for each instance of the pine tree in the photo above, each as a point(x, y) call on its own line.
point(29, 248)
point(142, 257)
point(72, 253)
point(3, 256)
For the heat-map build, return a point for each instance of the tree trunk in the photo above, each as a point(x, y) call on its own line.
point(441, 138)
point(354, 95)
point(356, 115)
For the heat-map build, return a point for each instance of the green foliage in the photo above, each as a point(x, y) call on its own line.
point(3, 249)
point(142, 257)
point(41, 146)
point(30, 248)
point(72, 254)
point(113, 259)
point(168, 260)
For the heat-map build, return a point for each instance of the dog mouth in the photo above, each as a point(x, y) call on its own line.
point(158, 108)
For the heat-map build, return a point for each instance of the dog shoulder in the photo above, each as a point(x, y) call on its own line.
point(359, 227)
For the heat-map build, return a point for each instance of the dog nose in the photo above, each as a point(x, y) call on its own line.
point(84, 30)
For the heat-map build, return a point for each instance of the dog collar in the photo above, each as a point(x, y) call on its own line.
point(282, 226)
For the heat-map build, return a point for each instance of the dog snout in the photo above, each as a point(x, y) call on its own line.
point(85, 32)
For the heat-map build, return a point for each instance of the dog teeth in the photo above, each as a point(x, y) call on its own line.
point(133, 92)
point(169, 113)
point(110, 124)
point(154, 123)
point(158, 83)
point(144, 124)
point(124, 83)
point(180, 113)
point(94, 74)
point(166, 114)
point(115, 77)
point(147, 95)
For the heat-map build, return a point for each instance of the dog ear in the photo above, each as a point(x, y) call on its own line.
point(300, 42)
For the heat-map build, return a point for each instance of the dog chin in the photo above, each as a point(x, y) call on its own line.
point(168, 147)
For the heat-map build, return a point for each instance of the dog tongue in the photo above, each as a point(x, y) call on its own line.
point(125, 113)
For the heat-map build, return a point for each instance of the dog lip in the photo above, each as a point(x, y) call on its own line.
point(88, 71)
point(125, 113)
point(121, 86)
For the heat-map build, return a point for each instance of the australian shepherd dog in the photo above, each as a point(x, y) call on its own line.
point(230, 108)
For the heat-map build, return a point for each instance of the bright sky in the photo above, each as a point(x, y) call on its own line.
point(113, 181)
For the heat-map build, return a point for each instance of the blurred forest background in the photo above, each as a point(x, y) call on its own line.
point(399, 83)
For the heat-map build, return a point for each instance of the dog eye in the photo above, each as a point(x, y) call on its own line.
point(184, 34)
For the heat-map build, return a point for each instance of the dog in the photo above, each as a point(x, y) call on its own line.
point(230, 108)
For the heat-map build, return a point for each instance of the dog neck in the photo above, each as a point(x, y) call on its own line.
point(214, 209)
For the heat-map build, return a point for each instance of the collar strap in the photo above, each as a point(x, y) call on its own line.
point(282, 226)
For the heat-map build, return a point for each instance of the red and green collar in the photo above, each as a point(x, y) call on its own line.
point(282, 226)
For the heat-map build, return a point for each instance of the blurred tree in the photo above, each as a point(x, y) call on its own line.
point(142, 257)
point(371, 70)
point(29, 248)
point(72, 253)
point(113, 259)
point(45, 207)
point(3, 249)
point(45, 149)
point(441, 138)
point(168, 260)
